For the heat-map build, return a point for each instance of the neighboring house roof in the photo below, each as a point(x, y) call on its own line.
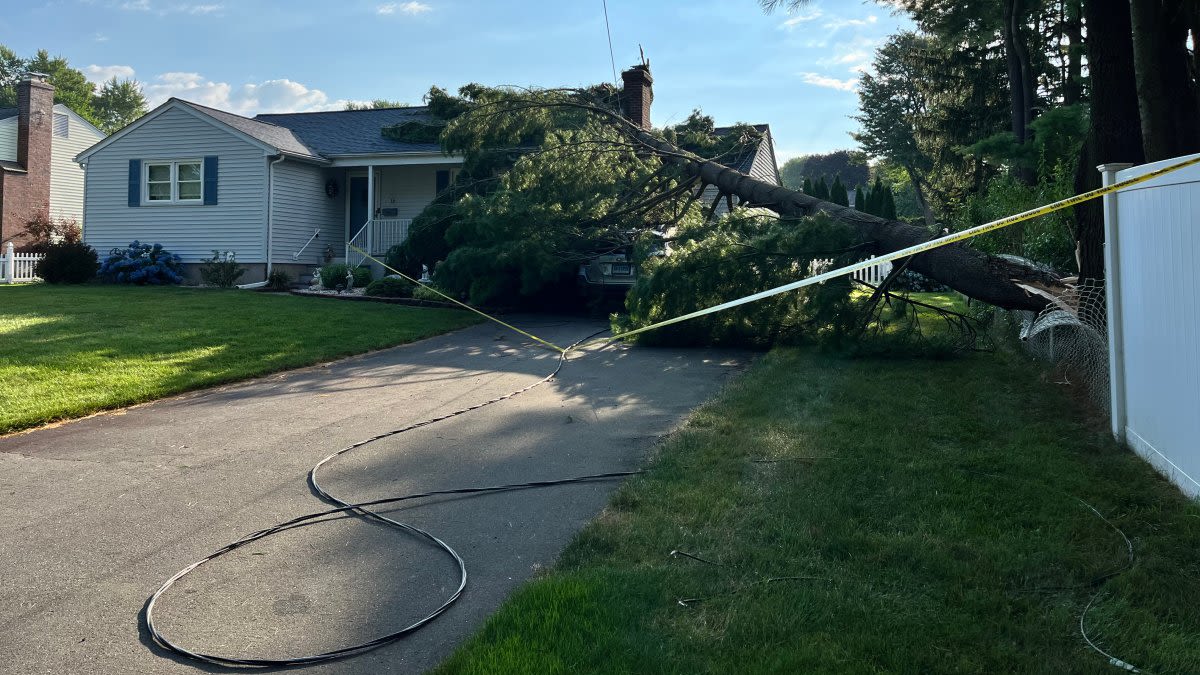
point(6, 113)
point(754, 159)
point(353, 132)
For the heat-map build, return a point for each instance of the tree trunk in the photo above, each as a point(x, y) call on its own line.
point(922, 200)
point(1115, 133)
point(1073, 31)
point(1016, 50)
point(1166, 91)
point(971, 272)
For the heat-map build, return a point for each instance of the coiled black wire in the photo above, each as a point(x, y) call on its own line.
point(362, 509)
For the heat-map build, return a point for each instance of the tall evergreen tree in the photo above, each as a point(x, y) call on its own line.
point(821, 189)
point(837, 192)
point(860, 200)
point(808, 186)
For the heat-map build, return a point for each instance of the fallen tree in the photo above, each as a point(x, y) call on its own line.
point(988, 278)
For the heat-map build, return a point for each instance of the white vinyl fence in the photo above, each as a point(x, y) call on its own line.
point(1153, 245)
point(16, 268)
point(874, 275)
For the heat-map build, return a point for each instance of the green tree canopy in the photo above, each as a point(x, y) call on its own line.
point(118, 103)
point(110, 106)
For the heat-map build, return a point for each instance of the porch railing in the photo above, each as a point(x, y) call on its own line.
point(376, 237)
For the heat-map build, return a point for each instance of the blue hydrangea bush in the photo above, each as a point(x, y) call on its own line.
point(142, 264)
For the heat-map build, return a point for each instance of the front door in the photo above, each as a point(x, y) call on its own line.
point(358, 204)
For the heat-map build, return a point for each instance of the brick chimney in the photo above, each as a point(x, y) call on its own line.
point(25, 190)
point(638, 94)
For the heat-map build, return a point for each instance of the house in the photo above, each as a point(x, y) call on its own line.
point(38, 144)
point(755, 158)
point(282, 191)
point(285, 191)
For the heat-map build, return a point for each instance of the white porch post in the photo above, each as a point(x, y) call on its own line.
point(370, 208)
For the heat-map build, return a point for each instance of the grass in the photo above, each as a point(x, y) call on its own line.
point(870, 515)
point(67, 351)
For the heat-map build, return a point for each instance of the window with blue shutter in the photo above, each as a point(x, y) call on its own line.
point(135, 182)
point(210, 180)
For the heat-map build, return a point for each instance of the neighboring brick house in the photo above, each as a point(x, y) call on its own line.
point(38, 144)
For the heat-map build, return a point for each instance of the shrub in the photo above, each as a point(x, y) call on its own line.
point(400, 257)
point(68, 263)
point(221, 270)
point(390, 287)
point(142, 264)
point(279, 280)
point(334, 275)
point(425, 293)
point(40, 232)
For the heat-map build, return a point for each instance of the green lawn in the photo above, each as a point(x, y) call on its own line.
point(870, 515)
point(67, 351)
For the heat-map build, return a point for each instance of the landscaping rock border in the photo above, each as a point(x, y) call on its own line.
point(412, 302)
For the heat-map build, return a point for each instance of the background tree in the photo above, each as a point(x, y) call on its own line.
point(71, 87)
point(851, 165)
point(375, 105)
point(118, 103)
point(837, 192)
point(110, 106)
point(11, 69)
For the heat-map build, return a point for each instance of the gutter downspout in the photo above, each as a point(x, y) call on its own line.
point(270, 211)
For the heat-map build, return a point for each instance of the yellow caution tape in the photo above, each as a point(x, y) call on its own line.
point(833, 274)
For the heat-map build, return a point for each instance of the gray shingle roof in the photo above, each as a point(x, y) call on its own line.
point(353, 132)
point(278, 137)
point(757, 159)
point(6, 113)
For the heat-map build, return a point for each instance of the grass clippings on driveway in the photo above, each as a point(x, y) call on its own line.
point(67, 351)
point(871, 515)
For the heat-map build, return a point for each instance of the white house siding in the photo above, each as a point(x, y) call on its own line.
point(66, 178)
point(8, 139)
point(300, 207)
point(236, 223)
point(409, 189)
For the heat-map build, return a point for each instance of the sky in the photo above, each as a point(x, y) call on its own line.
point(797, 72)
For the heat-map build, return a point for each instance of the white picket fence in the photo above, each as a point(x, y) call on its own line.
point(1151, 249)
point(17, 268)
point(874, 275)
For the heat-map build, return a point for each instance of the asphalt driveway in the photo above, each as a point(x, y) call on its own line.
point(98, 512)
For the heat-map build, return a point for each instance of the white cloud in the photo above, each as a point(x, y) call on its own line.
point(176, 8)
point(201, 9)
point(837, 24)
point(411, 8)
point(798, 19)
point(101, 74)
point(281, 95)
point(100, 37)
point(818, 80)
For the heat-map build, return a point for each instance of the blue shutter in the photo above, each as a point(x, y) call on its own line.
point(135, 182)
point(210, 180)
point(443, 181)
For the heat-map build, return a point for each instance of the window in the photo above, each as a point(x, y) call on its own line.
point(174, 182)
point(62, 126)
